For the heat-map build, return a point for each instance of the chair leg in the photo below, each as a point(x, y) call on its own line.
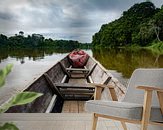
point(144, 126)
point(94, 121)
point(146, 109)
point(124, 125)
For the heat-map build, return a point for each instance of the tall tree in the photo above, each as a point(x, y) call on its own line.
point(21, 33)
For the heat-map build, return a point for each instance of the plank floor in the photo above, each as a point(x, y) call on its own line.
point(73, 107)
point(77, 81)
point(62, 121)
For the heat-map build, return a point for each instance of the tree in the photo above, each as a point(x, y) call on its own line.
point(37, 40)
point(21, 33)
point(155, 27)
point(128, 29)
point(158, 23)
point(3, 40)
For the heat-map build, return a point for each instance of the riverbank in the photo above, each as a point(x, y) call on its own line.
point(155, 47)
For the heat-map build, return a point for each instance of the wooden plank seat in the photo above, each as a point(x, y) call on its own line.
point(63, 89)
point(77, 86)
point(70, 69)
point(77, 72)
point(76, 91)
point(86, 89)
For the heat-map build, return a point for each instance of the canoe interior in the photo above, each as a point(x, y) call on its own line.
point(57, 82)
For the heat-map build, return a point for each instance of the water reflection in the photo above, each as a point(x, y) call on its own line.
point(126, 61)
point(121, 60)
point(32, 54)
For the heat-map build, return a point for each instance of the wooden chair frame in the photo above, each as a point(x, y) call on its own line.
point(146, 106)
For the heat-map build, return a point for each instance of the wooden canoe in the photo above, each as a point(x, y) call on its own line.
point(62, 82)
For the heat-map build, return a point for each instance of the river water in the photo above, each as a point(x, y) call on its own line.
point(30, 63)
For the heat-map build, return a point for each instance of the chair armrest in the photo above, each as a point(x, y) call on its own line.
point(102, 85)
point(149, 88)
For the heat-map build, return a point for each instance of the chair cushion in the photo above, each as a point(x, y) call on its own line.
point(131, 111)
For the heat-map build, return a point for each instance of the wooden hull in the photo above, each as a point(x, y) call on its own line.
point(58, 85)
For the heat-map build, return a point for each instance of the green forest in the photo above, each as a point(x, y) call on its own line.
point(141, 25)
point(38, 41)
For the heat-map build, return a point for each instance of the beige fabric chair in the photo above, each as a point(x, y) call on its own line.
point(143, 102)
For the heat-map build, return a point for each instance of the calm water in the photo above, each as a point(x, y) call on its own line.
point(29, 64)
point(126, 61)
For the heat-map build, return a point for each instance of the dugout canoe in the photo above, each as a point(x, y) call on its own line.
point(62, 82)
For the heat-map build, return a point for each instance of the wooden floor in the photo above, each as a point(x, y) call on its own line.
point(62, 121)
point(76, 81)
point(73, 107)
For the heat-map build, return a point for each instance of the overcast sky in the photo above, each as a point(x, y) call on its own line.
point(61, 19)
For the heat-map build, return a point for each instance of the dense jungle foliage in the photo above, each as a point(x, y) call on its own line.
point(140, 25)
point(38, 41)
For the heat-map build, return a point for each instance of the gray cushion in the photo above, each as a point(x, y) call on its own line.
point(131, 111)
